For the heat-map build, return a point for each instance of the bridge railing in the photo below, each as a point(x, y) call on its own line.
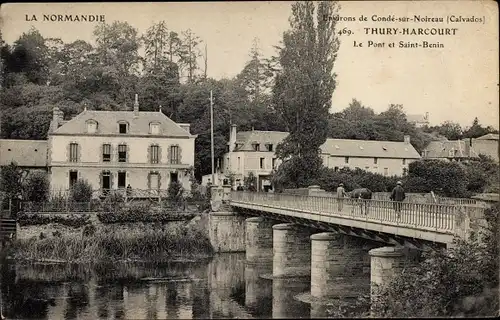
point(440, 217)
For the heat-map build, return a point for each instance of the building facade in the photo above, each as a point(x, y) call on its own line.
point(254, 152)
point(459, 150)
point(117, 149)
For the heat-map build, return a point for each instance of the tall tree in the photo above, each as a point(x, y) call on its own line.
point(477, 130)
point(117, 48)
point(189, 53)
point(304, 86)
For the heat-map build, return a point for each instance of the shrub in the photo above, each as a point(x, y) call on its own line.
point(75, 221)
point(174, 192)
point(140, 213)
point(462, 281)
point(36, 187)
point(81, 191)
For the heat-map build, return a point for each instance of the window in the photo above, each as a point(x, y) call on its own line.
point(174, 177)
point(239, 163)
point(269, 147)
point(91, 126)
point(154, 153)
point(274, 163)
point(73, 177)
point(106, 180)
point(262, 163)
point(123, 127)
point(386, 171)
point(122, 153)
point(106, 152)
point(256, 147)
point(73, 152)
point(154, 128)
point(336, 169)
point(174, 154)
point(404, 162)
point(375, 160)
point(122, 179)
point(405, 171)
point(346, 159)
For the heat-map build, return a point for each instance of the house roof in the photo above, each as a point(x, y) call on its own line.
point(441, 149)
point(369, 148)
point(335, 147)
point(489, 136)
point(26, 153)
point(107, 123)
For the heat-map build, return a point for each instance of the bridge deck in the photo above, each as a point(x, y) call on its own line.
point(433, 222)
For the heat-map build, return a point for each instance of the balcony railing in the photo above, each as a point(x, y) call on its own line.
point(439, 217)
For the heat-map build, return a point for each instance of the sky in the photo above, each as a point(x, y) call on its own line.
point(455, 83)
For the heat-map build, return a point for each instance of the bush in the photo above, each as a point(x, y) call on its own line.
point(462, 281)
point(174, 192)
point(140, 212)
point(81, 191)
point(75, 221)
point(36, 187)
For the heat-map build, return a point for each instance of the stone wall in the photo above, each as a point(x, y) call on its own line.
point(227, 232)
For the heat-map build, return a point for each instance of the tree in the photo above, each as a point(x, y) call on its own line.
point(304, 86)
point(36, 187)
point(81, 191)
point(449, 129)
point(117, 49)
point(476, 130)
point(189, 53)
point(11, 180)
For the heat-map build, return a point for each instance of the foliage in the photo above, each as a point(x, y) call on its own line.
point(444, 178)
point(303, 88)
point(141, 213)
point(36, 187)
point(11, 180)
point(75, 221)
point(81, 191)
point(462, 281)
point(175, 192)
point(250, 181)
point(111, 243)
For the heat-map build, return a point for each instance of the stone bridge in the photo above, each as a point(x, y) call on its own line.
point(345, 246)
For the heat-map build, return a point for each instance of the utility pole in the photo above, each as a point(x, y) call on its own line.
point(212, 136)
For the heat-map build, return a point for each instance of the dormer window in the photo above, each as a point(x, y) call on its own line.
point(451, 152)
point(123, 127)
point(91, 126)
point(269, 147)
point(256, 147)
point(154, 128)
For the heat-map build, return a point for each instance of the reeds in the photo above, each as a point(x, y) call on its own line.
point(146, 242)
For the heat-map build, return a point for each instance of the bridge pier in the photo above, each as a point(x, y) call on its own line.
point(259, 240)
point(291, 251)
point(227, 232)
point(338, 266)
point(386, 263)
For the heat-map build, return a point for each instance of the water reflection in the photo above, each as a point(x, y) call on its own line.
point(225, 287)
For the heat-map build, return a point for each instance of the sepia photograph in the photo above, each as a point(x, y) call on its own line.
point(249, 159)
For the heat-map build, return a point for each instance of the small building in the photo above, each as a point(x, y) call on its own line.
point(27, 154)
point(456, 150)
point(419, 120)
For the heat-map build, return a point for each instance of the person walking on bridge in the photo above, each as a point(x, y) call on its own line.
point(340, 195)
point(398, 195)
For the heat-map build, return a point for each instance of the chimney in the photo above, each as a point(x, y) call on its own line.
point(427, 116)
point(407, 139)
point(232, 137)
point(136, 105)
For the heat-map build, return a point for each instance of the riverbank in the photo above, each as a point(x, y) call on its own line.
point(125, 242)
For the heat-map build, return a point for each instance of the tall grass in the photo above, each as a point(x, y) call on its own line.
point(154, 243)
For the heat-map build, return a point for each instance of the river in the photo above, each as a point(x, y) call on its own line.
point(222, 287)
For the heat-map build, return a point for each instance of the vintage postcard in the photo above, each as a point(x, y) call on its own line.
point(249, 159)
